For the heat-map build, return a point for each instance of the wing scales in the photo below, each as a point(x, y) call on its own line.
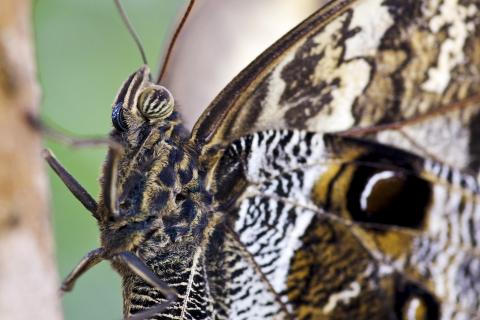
point(353, 63)
point(278, 212)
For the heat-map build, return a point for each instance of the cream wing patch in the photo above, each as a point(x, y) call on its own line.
point(338, 78)
point(457, 19)
point(373, 20)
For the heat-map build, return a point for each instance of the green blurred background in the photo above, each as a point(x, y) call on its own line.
point(84, 54)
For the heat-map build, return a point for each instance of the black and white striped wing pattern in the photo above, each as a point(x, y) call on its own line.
point(331, 254)
point(219, 280)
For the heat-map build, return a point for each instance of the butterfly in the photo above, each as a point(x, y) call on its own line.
point(337, 176)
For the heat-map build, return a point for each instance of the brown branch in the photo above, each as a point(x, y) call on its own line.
point(28, 278)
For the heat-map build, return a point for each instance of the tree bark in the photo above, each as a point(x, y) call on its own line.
point(28, 277)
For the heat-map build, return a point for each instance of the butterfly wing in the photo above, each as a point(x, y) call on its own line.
point(360, 64)
point(337, 224)
point(223, 52)
point(404, 73)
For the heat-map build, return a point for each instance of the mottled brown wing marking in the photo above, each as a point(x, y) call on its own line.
point(228, 109)
point(332, 276)
point(450, 136)
point(354, 64)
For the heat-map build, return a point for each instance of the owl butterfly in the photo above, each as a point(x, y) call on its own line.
point(336, 177)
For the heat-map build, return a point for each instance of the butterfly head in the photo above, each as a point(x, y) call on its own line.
point(140, 101)
point(150, 181)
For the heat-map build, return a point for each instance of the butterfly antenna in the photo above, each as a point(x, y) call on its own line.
point(131, 30)
point(164, 64)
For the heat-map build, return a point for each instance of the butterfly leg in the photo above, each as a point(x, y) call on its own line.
point(72, 184)
point(137, 266)
point(36, 124)
point(110, 181)
point(91, 259)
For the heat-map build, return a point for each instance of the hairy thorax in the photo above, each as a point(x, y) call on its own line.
point(161, 198)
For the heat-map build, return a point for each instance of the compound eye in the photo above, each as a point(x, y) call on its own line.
point(155, 102)
point(118, 119)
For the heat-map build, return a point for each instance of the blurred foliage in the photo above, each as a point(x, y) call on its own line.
point(84, 53)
